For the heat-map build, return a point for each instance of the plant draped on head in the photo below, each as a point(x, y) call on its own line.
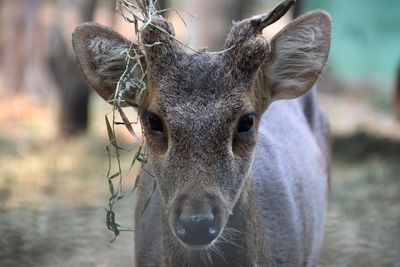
point(141, 14)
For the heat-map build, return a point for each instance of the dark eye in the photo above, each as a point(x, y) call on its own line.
point(246, 123)
point(155, 123)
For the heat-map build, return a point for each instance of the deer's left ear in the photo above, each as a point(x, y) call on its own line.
point(298, 55)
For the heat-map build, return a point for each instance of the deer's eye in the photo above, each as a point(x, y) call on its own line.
point(246, 123)
point(154, 122)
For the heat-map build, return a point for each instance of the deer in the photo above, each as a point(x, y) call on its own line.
point(238, 143)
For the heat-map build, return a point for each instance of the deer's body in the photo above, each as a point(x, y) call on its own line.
point(241, 179)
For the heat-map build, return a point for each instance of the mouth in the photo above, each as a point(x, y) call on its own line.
point(198, 246)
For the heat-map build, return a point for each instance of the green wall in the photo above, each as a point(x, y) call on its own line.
point(366, 37)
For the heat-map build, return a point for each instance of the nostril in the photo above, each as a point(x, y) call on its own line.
point(180, 230)
point(212, 230)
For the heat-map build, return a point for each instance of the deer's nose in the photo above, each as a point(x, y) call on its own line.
point(196, 229)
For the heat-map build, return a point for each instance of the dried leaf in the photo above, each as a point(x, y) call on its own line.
point(111, 224)
point(109, 130)
point(127, 122)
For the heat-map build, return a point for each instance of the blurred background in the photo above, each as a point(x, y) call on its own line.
point(53, 187)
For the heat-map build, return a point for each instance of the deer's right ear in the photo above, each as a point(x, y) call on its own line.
point(101, 53)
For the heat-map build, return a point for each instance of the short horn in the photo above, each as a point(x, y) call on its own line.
point(246, 47)
point(161, 48)
point(265, 20)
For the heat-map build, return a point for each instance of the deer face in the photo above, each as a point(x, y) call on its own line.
point(201, 112)
point(201, 137)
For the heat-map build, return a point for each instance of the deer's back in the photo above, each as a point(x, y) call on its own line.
point(290, 176)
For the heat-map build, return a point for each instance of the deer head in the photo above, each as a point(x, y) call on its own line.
point(200, 112)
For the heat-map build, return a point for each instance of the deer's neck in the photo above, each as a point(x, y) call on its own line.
point(241, 244)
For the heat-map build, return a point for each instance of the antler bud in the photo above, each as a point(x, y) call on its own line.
point(265, 20)
point(161, 47)
point(247, 48)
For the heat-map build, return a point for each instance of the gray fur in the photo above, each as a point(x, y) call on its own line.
point(267, 186)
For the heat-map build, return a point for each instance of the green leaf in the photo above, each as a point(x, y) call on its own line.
point(110, 183)
point(111, 225)
point(109, 160)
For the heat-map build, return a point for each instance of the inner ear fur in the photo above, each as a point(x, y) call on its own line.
point(298, 55)
point(101, 55)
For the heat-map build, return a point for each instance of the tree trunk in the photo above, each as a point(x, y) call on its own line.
point(73, 89)
point(213, 20)
point(22, 46)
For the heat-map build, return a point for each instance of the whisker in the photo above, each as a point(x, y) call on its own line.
point(207, 252)
point(232, 230)
point(229, 236)
point(218, 252)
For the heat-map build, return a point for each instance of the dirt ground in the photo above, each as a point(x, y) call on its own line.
point(53, 195)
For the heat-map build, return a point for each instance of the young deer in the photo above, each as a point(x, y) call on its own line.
point(241, 179)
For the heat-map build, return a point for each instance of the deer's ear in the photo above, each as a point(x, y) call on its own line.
point(101, 53)
point(298, 55)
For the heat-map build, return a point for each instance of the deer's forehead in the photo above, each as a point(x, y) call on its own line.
point(195, 74)
point(203, 108)
point(198, 82)
point(199, 89)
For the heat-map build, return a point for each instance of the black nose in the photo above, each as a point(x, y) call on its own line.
point(197, 229)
